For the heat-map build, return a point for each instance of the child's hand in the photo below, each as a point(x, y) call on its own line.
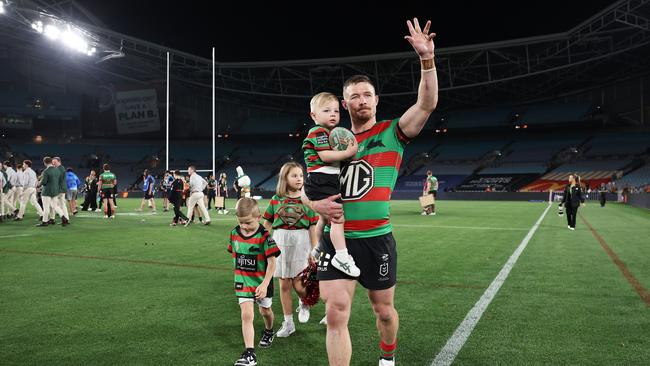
point(260, 291)
point(352, 148)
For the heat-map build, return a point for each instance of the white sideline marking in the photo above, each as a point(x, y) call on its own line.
point(463, 227)
point(14, 236)
point(448, 353)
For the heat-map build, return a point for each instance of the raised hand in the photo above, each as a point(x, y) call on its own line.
point(421, 39)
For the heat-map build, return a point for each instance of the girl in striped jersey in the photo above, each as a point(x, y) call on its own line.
point(294, 230)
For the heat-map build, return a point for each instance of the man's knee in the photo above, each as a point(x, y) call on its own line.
point(385, 312)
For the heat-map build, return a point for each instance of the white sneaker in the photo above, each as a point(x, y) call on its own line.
point(345, 264)
point(323, 321)
point(220, 212)
point(303, 312)
point(424, 213)
point(383, 362)
point(112, 217)
point(287, 329)
point(434, 214)
point(225, 212)
point(105, 216)
point(98, 210)
point(572, 228)
point(568, 226)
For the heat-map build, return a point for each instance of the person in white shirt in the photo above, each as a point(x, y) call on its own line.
point(197, 185)
point(29, 191)
point(20, 177)
point(10, 194)
point(2, 195)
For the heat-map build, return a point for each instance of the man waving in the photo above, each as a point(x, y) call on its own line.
point(366, 186)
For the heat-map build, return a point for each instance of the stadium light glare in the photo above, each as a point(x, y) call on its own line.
point(2, 7)
point(52, 32)
point(38, 26)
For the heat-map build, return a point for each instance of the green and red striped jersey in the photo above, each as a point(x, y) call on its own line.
point(318, 139)
point(249, 258)
point(108, 180)
point(289, 213)
point(368, 181)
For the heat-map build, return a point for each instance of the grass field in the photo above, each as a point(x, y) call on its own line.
point(135, 291)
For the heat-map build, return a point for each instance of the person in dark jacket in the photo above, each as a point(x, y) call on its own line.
point(176, 198)
point(90, 200)
point(573, 198)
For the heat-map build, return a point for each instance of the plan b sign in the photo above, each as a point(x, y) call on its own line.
point(136, 111)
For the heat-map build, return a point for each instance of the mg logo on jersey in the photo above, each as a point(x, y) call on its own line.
point(357, 179)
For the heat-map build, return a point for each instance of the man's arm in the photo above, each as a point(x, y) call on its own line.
point(412, 122)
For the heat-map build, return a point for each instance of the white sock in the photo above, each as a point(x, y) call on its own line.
point(342, 251)
point(288, 318)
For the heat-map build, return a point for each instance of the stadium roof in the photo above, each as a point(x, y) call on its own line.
point(609, 46)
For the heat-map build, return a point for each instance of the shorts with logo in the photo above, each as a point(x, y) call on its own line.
point(376, 257)
point(319, 186)
point(266, 302)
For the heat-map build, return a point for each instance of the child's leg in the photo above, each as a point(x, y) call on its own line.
point(299, 287)
point(247, 329)
point(337, 234)
point(285, 297)
point(342, 260)
point(267, 314)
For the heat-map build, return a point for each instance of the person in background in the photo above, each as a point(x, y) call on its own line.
point(430, 187)
point(573, 197)
point(603, 194)
point(9, 189)
point(73, 183)
point(212, 191)
point(19, 184)
point(222, 190)
point(29, 191)
point(165, 189)
point(197, 185)
point(90, 199)
point(148, 182)
point(107, 183)
point(63, 188)
point(50, 183)
point(176, 198)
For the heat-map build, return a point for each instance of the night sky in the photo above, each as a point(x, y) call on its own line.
point(251, 31)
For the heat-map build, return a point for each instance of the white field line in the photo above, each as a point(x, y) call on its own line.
point(448, 353)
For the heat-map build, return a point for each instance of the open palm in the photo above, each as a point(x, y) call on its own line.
point(421, 39)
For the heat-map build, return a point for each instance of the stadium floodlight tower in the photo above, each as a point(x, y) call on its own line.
point(214, 132)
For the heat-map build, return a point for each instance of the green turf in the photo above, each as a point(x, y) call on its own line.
point(135, 291)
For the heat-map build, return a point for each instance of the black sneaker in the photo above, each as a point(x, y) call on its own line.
point(248, 358)
point(267, 339)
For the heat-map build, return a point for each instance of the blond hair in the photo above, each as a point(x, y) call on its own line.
point(320, 99)
point(247, 206)
point(282, 188)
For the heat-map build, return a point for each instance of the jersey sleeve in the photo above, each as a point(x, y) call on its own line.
point(270, 210)
point(399, 134)
point(230, 244)
point(270, 247)
point(318, 139)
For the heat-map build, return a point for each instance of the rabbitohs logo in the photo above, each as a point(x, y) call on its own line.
point(290, 214)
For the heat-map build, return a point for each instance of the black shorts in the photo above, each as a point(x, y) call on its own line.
point(148, 195)
point(376, 257)
point(107, 193)
point(319, 186)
